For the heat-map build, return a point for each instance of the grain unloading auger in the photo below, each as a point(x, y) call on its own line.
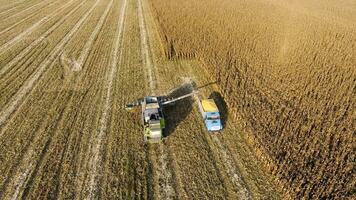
point(152, 116)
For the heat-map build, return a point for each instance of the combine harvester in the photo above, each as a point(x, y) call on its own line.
point(153, 118)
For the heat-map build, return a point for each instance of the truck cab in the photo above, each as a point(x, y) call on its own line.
point(211, 115)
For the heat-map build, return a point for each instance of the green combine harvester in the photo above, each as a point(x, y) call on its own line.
point(153, 118)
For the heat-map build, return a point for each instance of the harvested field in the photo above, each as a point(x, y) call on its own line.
point(68, 69)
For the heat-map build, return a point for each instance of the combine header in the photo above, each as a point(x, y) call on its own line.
point(153, 118)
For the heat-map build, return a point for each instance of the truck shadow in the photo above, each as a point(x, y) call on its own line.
point(222, 106)
point(176, 112)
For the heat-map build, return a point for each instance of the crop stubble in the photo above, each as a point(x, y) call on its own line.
point(50, 91)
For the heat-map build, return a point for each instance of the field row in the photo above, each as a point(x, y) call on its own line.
point(48, 145)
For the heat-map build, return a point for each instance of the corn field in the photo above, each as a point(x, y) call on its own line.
point(287, 71)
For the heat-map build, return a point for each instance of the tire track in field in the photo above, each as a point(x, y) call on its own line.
point(52, 137)
point(20, 180)
point(16, 39)
point(23, 11)
point(28, 85)
point(11, 7)
point(165, 176)
point(41, 38)
point(95, 151)
point(145, 48)
point(26, 156)
point(232, 171)
point(228, 162)
point(230, 167)
point(181, 193)
point(26, 18)
point(85, 52)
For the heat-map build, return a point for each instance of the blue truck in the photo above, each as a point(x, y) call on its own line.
point(210, 114)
